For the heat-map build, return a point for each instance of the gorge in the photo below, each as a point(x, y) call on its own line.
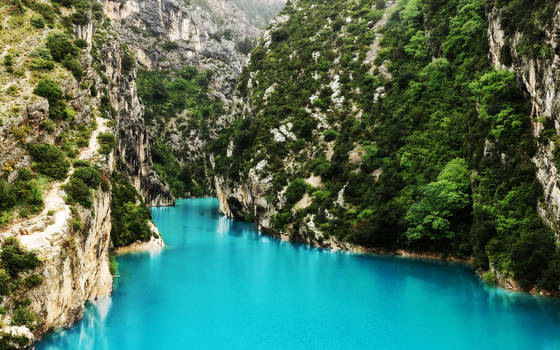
point(411, 127)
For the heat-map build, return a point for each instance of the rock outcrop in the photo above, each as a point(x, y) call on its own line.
point(539, 76)
point(170, 34)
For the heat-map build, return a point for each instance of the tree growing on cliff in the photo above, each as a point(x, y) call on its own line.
point(431, 216)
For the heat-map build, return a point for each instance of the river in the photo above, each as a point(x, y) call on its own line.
point(219, 284)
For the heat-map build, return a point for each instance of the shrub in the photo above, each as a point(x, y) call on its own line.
point(81, 43)
point(296, 189)
point(107, 142)
point(48, 125)
point(93, 90)
point(73, 66)
point(38, 21)
point(33, 281)
point(77, 192)
point(5, 218)
point(127, 62)
point(9, 62)
point(49, 160)
point(80, 18)
point(59, 110)
point(23, 316)
point(90, 176)
point(380, 4)
point(48, 89)
point(489, 278)
point(41, 64)
point(60, 45)
point(4, 282)
point(279, 35)
point(330, 135)
point(41, 52)
point(170, 45)
point(15, 259)
point(24, 174)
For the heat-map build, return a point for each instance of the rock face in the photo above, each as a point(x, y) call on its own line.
point(74, 268)
point(171, 34)
point(539, 76)
point(211, 35)
point(133, 149)
point(73, 242)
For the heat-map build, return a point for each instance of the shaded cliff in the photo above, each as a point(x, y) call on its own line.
point(538, 74)
point(191, 54)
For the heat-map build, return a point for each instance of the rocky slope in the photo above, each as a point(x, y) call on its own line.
point(83, 111)
point(369, 150)
point(169, 35)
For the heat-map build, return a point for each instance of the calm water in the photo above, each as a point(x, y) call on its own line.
point(219, 285)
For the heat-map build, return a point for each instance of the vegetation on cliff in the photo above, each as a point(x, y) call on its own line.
point(181, 101)
point(129, 213)
point(418, 141)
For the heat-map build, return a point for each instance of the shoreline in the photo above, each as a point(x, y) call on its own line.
point(504, 283)
point(155, 243)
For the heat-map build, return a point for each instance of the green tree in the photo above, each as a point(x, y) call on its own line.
point(432, 214)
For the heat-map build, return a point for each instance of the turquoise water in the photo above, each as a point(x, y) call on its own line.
point(220, 285)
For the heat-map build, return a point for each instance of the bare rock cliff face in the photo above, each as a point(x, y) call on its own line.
point(540, 78)
point(133, 149)
point(201, 32)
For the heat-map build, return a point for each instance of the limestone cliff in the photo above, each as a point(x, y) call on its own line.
point(166, 36)
point(71, 241)
point(540, 79)
point(171, 34)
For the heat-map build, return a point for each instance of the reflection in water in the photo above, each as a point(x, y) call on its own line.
point(219, 284)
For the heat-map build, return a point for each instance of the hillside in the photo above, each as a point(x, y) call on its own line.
point(427, 126)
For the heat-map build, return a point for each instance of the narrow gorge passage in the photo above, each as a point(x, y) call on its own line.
point(219, 284)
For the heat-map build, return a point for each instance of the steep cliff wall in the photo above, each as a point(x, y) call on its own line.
point(166, 37)
point(82, 113)
point(539, 75)
point(170, 34)
point(133, 148)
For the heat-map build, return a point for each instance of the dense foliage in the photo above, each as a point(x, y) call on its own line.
point(129, 214)
point(181, 101)
point(79, 188)
point(14, 262)
point(179, 177)
point(49, 160)
point(425, 148)
point(25, 194)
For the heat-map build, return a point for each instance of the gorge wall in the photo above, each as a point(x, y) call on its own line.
point(168, 39)
point(68, 123)
point(540, 78)
point(345, 141)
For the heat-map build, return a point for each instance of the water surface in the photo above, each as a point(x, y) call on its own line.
point(220, 285)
